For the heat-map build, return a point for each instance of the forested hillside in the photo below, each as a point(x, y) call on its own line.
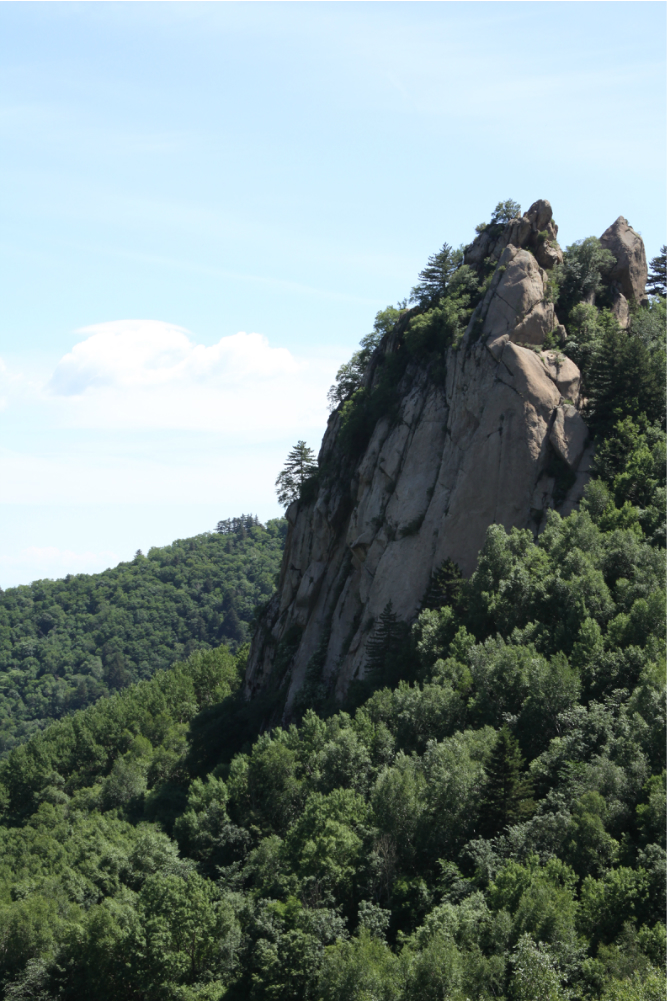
point(484, 817)
point(66, 643)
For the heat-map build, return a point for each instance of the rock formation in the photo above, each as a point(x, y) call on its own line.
point(498, 440)
point(630, 272)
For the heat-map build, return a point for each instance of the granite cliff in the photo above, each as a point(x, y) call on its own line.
point(491, 434)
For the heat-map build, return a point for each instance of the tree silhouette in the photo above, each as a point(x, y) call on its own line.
point(445, 587)
point(385, 648)
point(300, 466)
point(508, 792)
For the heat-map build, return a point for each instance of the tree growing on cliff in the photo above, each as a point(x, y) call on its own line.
point(657, 276)
point(505, 211)
point(299, 467)
point(436, 276)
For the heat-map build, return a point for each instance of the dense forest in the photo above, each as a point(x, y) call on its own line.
point(66, 643)
point(483, 818)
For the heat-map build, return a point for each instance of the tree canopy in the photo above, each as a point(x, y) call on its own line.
point(66, 643)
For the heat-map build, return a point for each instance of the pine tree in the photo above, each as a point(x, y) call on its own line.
point(436, 276)
point(385, 647)
point(300, 466)
point(508, 793)
point(505, 211)
point(445, 587)
point(657, 276)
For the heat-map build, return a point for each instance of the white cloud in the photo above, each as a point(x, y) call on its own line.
point(139, 411)
point(147, 353)
point(151, 375)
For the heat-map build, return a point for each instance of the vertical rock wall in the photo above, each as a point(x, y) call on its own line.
point(460, 456)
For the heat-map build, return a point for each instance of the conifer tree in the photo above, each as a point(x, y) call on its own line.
point(436, 276)
point(300, 466)
point(508, 792)
point(657, 276)
point(445, 587)
point(384, 647)
point(505, 211)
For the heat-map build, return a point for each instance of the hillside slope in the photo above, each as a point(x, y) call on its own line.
point(66, 643)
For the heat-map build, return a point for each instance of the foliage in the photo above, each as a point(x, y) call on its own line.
point(495, 828)
point(350, 375)
point(66, 643)
point(483, 818)
point(436, 277)
point(657, 276)
point(581, 276)
point(505, 211)
point(300, 466)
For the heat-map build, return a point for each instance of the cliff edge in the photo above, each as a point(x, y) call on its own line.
point(490, 433)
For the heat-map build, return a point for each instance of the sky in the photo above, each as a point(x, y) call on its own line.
point(204, 205)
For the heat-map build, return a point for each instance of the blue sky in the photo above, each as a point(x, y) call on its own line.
point(205, 204)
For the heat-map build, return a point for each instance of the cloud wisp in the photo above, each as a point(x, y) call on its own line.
point(151, 375)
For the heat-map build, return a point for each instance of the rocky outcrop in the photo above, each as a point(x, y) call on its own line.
point(488, 443)
point(535, 230)
point(630, 271)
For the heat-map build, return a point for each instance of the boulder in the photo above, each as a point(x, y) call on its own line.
point(630, 271)
point(564, 373)
point(568, 435)
point(517, 289)
point(534, 328)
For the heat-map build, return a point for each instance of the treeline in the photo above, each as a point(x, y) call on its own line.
point(66, 643)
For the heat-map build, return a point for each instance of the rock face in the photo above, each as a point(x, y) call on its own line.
point(535, 230)
point(630, 272)
point(483, 445)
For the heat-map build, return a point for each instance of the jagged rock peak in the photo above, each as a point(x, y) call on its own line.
point(535, 229)
point(477, 440)
point(630, 271)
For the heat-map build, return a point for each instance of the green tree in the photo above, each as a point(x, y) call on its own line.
point(534, 975)
point(350, 375)
point(581, 276)
point(508, 791)
point(505, 211)
point(446, 587)
point(436, 277)
point(384, 649)
point(657, 276)
point(626, 379)
point(299, 467)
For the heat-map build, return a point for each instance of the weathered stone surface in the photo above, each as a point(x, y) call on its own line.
point(569, 435)
point(456, 458)
point(620, 307)
point(627, 247)
point(535, 229)
point(517, 289)
point(536, 326)
point(564, 373)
